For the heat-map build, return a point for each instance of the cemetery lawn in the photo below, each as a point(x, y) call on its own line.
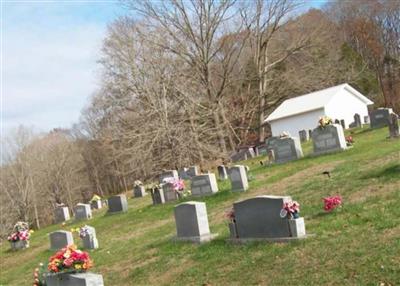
point(356, 245)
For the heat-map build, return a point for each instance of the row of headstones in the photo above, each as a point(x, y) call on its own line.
point(62, 238)
point(257, 218)
point(83, 211)
point(201, 185)
point(325, 140)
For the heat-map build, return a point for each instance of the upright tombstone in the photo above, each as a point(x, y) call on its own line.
point(157, 195)
point(380, 117)
point(61, 214)
point(183, 174)
point(261, 150)
point(169, 193)
point(204, 185)
point(366, 119)
point(337, 121)
point(238, 178)
point(222, 174)
point(139, 191)
point(343, 124)
point(270, 142)
point(82, 211)
point(287, 149)
point(357, 120)
point(309, 133)
point(394, 129)
point(259, 219)
point(243, 154)
point(117, 204)
point(169, 174)
point(192, 222)
point(328, 139)
point(60, 239)
point(90, 240)
point(96, 204)
point(303, 135)
point(192, 171)
point(74, 279)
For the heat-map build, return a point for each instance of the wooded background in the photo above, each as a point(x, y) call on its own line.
point(187, 82)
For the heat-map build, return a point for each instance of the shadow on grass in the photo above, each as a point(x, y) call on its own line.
point(392, 171)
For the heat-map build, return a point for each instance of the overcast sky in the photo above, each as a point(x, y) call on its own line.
point(49, 54)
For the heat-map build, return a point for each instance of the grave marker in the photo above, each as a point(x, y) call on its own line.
point(287, 149)
point(328, 139)
point(394, 129)
point(90, 240)
point(238, 178)
point(60, 239)
point(222, 173)
point(61, 214)
point(380, 117)
point(192, 222)
point(82, 211)
point(117, 204)
point(139, 191)
point(259, 219)
point(169, 174)
point(303, 135)
point(203, 185)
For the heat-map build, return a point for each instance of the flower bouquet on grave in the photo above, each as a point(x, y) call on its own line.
point(84, 231)
point(290, 211)
point(324, 121)
point(39, 275)
point(284, 134)
point(331, 203)
point(95, 198)
point(178, 186)
point(349, 140)
point(69, 260)
point(19, 238)
point(137, 183)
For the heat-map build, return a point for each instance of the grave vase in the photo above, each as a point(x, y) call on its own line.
point(73, 279)
point(297, 227)
point(19, 244)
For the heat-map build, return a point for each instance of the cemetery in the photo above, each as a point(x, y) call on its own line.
point(328, 213)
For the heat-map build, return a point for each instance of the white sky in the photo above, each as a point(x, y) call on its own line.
point(49, 54)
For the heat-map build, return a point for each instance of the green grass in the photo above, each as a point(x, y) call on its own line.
point(356, 245)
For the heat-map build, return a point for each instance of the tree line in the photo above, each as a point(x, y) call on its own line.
point(187, 82)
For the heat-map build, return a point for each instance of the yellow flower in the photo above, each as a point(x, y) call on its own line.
point(31, 231)
point(78, 266)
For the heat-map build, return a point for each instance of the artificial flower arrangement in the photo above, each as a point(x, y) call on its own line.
point(39, 275)
point(21, 233)
point(69, 259)
point(290, 210)
point(84, 231)
point(178, 185)
point(284, 134)
point(137, 183)
point(349, 140)
point(95, 198)
point(324, 121)
point(331, 203)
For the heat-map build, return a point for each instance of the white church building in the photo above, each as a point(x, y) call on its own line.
point(303, 112)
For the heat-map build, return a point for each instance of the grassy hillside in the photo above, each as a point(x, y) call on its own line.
point(358, 245)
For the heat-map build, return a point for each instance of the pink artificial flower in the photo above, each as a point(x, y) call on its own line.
point(330, 203)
